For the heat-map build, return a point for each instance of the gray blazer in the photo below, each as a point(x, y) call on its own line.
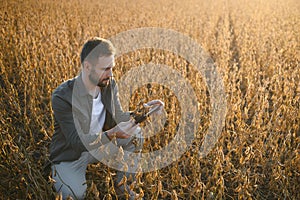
point(72, 107)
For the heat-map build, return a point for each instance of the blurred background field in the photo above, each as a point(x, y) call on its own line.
point(255, 45)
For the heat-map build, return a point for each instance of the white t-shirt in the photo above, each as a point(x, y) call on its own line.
point(98, 116)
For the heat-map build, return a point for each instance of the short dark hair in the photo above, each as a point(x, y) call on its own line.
point(95, 48)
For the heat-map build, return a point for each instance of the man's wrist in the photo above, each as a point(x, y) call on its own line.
point(106, 134)
point(109, 135)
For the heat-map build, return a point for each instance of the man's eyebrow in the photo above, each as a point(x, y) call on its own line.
point(111, 65)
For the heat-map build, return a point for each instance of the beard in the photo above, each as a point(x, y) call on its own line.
point(96, 81)
point(102, 83)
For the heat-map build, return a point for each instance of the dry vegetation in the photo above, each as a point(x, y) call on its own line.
point(256, 46)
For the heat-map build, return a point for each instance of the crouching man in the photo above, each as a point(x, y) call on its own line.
point(88, 114)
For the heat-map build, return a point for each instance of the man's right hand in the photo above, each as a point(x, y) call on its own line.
point(122, 130)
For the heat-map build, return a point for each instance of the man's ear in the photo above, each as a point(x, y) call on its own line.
point(86, 66)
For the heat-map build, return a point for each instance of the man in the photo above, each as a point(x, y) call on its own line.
point(88, 115)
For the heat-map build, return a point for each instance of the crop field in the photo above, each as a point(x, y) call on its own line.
point(255, 46)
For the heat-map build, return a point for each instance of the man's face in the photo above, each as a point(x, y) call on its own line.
point(102, 71)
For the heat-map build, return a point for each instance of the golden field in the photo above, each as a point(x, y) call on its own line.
point(255, 46)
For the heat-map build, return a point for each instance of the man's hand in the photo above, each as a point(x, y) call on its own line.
point(123, 130)
point(156, 105)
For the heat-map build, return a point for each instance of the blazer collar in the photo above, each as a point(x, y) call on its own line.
point(80, 87)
